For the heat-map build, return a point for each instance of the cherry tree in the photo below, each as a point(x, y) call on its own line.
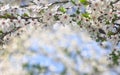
point(99, 18)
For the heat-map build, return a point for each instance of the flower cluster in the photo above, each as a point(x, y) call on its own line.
point(100, 18)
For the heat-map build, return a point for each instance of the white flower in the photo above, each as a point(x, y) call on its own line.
point(65, 19)
point(19, 22)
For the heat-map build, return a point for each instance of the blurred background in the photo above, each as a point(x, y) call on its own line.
point(61, 50)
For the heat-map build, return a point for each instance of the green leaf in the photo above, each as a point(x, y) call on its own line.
point(73, 1)
point(73, 15)
point(1, 32)
point(107, 22)
point(56, 17)
point(7, 15)
point(74, 20)
point(110, 33)
point(79, 22)
point(86, 15)
point(115, 57)
point(2, 16)
point(100, 39)
point(97, 40)
point(62, 9)
point(41, 11)
point(84, 2)
point(25, 65)
point(114, 19)
point(78, 12)
point(103, 39)
point(25, 15)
